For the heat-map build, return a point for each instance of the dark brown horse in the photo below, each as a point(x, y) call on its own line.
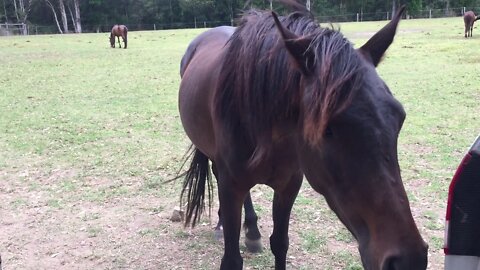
point(469, 19)
point(283, 98)
point(118, 31)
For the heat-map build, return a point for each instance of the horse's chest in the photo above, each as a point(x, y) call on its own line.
point(277, 169)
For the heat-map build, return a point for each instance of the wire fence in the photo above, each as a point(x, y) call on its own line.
point(32, 29)
point(387, 15)
point(7, 29)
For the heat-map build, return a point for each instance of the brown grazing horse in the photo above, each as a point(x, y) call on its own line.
point(283, 98)
point(118, 31)
point(469, 18)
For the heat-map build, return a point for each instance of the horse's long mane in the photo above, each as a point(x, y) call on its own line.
point(260, 87)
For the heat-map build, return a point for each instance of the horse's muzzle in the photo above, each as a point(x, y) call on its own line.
point(408, 259)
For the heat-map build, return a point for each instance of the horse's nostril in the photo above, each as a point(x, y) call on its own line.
point(405, 261)
point(391, 263)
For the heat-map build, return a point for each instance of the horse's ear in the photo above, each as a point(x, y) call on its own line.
point(297, 47)
point(376, 46)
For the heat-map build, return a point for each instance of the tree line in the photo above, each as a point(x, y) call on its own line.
point(97, 15)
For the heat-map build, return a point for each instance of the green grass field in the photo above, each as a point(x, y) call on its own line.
point(88, 134)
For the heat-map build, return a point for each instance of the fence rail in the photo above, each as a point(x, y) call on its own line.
point(7, 29)
point(32, 29)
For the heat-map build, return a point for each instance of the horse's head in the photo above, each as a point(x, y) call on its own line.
point(348, 144)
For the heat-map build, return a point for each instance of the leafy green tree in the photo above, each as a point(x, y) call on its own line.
point(100, 15)
point(196, 9)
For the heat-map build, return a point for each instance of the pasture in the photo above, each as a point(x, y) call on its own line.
point(89, 134)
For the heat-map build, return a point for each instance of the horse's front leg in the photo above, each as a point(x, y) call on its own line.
point(231, 199)
point(119, 44)
point(282, 206)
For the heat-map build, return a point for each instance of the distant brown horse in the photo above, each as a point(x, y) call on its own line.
point(469, 18)
point(280, 98)
point(118, 31)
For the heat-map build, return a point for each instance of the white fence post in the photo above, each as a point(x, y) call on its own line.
point(357, 17)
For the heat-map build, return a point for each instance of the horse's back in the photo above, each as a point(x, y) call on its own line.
point(218, 34)
point(200, 68)
point(119, 29)
point(469, 17)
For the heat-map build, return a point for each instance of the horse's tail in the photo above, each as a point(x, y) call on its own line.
point(197, 177)
point(125, 34)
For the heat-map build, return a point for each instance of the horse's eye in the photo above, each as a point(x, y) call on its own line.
point(328, 132)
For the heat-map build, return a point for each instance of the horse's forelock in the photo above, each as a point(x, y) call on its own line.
point(259, 87)
point(335, 81)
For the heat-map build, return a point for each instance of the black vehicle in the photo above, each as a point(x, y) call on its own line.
point(462, 227)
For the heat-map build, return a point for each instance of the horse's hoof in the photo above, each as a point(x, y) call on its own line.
point(254, 246)
point(218, 234)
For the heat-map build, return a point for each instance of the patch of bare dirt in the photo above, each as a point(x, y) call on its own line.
point(44, 226)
